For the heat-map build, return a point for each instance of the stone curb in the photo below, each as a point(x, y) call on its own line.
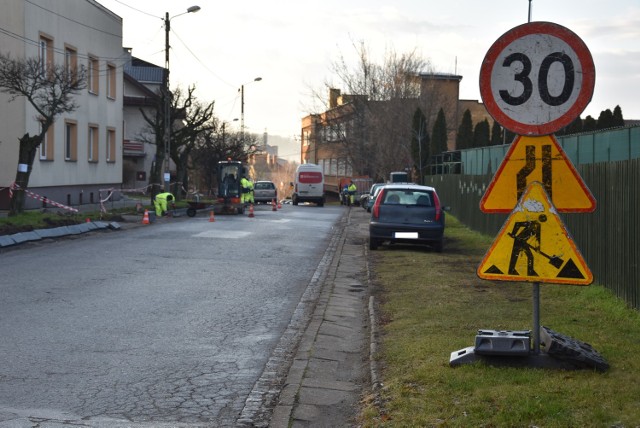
point(56, 232)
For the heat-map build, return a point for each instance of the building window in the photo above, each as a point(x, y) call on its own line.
point(111, 81)
point(70, 141)
point(111, 145)
point(46, 146)
point(71, 62)
point(93, 77)
point(92, 149)
point(45, 53)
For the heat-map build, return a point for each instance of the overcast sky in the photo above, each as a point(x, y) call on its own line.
point(292, 43)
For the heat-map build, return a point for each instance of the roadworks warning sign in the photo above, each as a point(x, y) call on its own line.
point(534, 246)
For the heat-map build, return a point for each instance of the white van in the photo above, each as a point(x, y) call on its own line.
point(308, 185)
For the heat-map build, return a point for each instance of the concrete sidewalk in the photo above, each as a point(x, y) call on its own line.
point(331, 368)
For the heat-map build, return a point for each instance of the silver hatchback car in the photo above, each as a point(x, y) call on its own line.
point(264, 192)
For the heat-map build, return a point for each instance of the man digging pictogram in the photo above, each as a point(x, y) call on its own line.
point(521, 233)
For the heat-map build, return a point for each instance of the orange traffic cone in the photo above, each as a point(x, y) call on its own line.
point(145, 218)
point(251, 211)
point(211, 217)
point(273, 205)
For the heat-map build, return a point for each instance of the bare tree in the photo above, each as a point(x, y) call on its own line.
point(376, 136)
point(50, 89)
point(189, 119)
point(214, 145)
point(197, 119)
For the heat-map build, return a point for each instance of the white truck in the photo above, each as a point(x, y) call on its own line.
point(398, 177)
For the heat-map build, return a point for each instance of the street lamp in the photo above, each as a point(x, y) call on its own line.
point(167, 96)
point(257, 79)
point(224, 124)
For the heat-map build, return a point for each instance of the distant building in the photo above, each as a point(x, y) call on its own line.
point(82, 153)
point(327, 138)
point(263, 162)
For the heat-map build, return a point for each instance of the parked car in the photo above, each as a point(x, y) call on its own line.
point(407, 213)
point(367, 199)
point(265, 192)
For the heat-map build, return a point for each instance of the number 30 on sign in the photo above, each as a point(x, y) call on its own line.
point(537, 78)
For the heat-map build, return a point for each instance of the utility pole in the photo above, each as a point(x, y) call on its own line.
point(167, 97)
point(167, 106)
point(257, 79)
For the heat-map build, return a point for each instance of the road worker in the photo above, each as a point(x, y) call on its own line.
point(160, 202)
point(344, 195)
point(251, 199)
point(352, 192)
point(245, 188)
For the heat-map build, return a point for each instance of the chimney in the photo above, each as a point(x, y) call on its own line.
point(334, 94)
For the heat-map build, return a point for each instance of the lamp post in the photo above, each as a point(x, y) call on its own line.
point(167, 96)
point(224, 124)
point(257, 79)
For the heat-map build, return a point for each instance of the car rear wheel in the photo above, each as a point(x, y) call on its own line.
point(373, 244)
point(438, 246)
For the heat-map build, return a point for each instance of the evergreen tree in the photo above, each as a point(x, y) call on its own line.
point(589, 124)
point(572, 128)
point(481, 137)
point(605, 120)
point(618, 120)
point(420, 147)
point(464, 139)
point(575, 126)
point(439, 134)
point(508, 139)
point(496, 134)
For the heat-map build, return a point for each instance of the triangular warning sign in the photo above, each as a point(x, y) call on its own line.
point(534, 246)
point(539, 159)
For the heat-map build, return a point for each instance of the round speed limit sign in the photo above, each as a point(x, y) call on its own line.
point(537, 78)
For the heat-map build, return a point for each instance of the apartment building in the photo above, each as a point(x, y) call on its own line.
point(82, 152)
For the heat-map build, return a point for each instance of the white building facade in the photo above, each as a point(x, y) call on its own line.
point(82, 153)
point(142, 86)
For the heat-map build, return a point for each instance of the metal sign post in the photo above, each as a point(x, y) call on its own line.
point(534, 80)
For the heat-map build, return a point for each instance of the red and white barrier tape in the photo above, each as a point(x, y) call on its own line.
point(44, 199)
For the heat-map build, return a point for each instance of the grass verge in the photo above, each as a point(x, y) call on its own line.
point(432, 304)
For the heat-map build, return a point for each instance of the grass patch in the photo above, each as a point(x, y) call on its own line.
point(32, 220)
point(433, 304)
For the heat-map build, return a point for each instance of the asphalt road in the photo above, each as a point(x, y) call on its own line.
point(168, 324)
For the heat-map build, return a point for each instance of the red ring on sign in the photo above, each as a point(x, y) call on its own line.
point(586, 90)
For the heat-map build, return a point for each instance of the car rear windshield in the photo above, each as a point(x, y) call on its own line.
point(310, 177)
point(264, 186)
point(409, 197)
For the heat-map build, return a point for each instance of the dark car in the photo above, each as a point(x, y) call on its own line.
point(265, 192)
point(407, 213)
point(368, 199)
